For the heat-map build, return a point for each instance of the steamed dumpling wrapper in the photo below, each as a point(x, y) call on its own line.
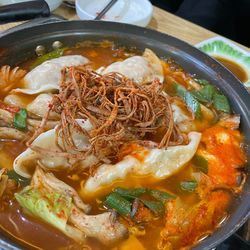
point(25, 162)
point(141, 69)
point(159, 163)
point(46, 77)
point(40, 106)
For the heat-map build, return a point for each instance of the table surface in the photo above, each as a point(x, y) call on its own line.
point(162, 21)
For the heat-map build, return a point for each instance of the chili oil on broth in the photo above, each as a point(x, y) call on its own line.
point(44, 236)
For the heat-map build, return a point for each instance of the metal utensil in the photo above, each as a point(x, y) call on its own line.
point(70, 4)
point(105, 10)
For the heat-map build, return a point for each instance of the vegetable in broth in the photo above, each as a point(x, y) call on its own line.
point(120, 150)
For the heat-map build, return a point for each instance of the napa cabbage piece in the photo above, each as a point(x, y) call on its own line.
point(141, 69)
point(48, 140)
point(188, 223)
point(42, 200)
point(46, 77)
point(160, 163)
point(58, 204)
point(51, 207)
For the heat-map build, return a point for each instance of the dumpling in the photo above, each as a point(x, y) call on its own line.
point(24, 164)
point(178, 114)
point(141, 69)
point(160, 163)
point(40, 105)
point(15, 100)
point(46, 76)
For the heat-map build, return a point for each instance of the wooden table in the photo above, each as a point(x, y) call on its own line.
point(162, 21)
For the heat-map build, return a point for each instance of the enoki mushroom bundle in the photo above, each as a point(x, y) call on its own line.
point(120, 111)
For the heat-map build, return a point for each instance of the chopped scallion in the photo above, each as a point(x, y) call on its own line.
point(118, 203)
point(189, 186)
point(161, 195)
point(156, 207)
point(189, 99)
point(130, 193)
point(201, 163)
point(202, 81)
point(20, 119)
point(221, 103)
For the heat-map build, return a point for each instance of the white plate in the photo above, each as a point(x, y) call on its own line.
point(222, 47)
point(137, 12)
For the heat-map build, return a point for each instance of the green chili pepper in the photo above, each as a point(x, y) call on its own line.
point(189, 99)
point(51, 55)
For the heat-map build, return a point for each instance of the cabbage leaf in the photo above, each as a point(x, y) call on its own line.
point(51, 207)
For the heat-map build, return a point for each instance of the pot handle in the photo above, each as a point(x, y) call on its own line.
point(23, 11)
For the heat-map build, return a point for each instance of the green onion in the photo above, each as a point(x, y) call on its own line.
point(51, 55)
point(137, 192)
point(117, 202)
point(161, 195)
point(205, 94)
point(121, 199)
point(201, 163)
point(130, 193)
point(202, 81)
point(181, 91)
point(189, 99)
point(221, 103)
point(20, 119)
point(156, 207)
point(189, 186)
point(193, 104)
point(18, 178)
